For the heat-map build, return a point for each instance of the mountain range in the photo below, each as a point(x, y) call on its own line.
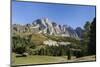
point(45, 26)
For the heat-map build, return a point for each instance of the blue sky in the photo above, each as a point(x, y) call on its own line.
point(72, 15)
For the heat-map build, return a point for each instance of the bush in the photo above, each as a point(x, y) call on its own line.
point(20, 50)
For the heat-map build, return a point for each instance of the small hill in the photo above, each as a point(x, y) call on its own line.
point(38, 39)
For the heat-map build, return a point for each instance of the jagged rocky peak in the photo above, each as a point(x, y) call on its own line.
point(41, 21)
point(44, 25)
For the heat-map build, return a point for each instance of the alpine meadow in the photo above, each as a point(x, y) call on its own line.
point(47, 33)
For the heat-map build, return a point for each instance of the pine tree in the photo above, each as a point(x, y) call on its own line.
point(92, 41)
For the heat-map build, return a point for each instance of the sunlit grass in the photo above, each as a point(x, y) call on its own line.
point(36, 59)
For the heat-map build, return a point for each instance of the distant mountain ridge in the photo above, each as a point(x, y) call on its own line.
point(45, 26)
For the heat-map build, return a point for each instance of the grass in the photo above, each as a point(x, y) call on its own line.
point(36, 59)
point(38, 38)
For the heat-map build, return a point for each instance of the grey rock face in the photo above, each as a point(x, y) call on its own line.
point(46, 27)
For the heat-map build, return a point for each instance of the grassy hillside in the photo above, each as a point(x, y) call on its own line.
point(38, 38)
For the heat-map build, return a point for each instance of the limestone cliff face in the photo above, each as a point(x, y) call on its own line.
point(45, 26)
